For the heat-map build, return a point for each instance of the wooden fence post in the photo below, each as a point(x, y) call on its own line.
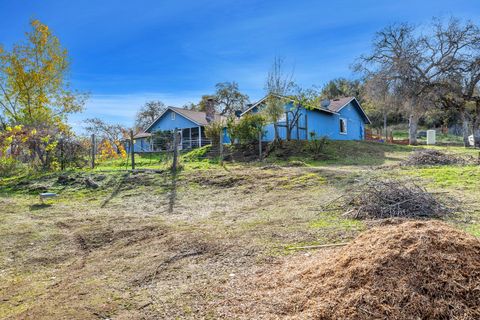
point(92, 164)
point(132, 151)
point(220, 147)
point(175, 151)
point(260, 144)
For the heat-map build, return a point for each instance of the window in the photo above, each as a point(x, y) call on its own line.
point(173, 115)
point(343, 126)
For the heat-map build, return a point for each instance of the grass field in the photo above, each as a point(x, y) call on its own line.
point(159, 246)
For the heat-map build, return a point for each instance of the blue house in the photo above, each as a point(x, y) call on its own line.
point(337, 119)
point(189, 123)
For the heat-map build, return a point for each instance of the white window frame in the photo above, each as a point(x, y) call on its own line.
point(172, 116)
point(345, 122)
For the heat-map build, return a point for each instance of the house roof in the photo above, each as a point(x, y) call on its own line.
point(333, 108)
point(197, 117)
point(284, 97)
point(338, 104)
point(140, 135)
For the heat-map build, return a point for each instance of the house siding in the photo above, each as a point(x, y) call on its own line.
point(142, 145)
point(323, 124)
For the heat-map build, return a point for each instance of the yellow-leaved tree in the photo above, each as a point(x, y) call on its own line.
point(35, 92)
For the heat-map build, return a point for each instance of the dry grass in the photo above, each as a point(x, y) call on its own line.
point(157, 246)
point(150, 246)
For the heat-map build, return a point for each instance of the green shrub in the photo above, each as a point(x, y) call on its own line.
point(247, 129)
point(316, 145)
point(213, 130)
point(197, 154)
point(9, 167)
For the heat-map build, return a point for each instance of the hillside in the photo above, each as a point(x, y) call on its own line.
point(148, 245)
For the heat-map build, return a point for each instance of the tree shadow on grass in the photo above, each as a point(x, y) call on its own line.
point(40, 206)
point(172, 195)
point(115, 191)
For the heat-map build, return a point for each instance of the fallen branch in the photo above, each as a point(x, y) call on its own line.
point(320, 246)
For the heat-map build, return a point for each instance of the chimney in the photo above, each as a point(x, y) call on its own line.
point(210, 110)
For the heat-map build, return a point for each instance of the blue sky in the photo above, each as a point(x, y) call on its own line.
point(127, 52)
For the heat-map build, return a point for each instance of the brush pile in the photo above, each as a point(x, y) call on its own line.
point(412, 270)
point(430, 157)
point(378, 199)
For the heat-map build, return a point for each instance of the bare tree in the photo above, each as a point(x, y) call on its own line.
point(414, 62)
point(378, 92)
point(456, 92)
point(278, 85)
point(149, 113)
point(114, 133)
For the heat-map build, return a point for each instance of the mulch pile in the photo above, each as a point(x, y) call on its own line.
point(379, 199)
point(411, 270)
point(430, 157)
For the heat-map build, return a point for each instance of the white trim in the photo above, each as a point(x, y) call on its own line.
point(199, 136)
point(171, 109)
point(172, 116)
point(345, 125)
point(254, 105)
point(359, 105)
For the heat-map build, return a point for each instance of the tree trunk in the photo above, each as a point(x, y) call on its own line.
point(465, 127)
point(275, 128)
point(476, 126)
point(385, 124)
point(412, 128)
point(287, 124)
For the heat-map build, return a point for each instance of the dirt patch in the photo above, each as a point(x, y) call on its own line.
point(245, 152)
point(89, 239)
point(413, 270)
point(222, 180)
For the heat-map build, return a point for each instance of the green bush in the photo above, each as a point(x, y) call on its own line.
point(316, 145)
point(213, 130)
point(247, 129)
point(197, 154)
point(9, 167)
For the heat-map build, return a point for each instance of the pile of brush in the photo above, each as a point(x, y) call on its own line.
point(377, 199)
point(430, 157)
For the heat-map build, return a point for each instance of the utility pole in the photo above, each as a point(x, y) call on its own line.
point(92, 165)
point(132, 153)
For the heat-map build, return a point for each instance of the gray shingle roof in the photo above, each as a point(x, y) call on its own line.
point(197, 116)
point(336, 104)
